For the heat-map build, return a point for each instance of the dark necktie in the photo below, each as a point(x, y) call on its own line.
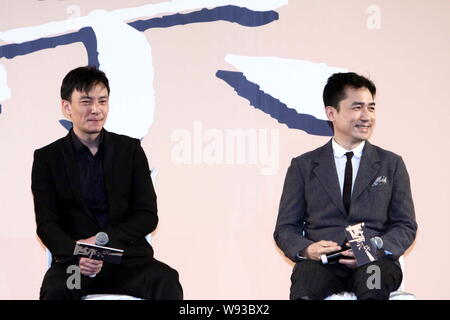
point(347, 192)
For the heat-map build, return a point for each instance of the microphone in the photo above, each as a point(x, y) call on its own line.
point(377, 246)
point(334, 257)
point(101, 239)
point(377, 242)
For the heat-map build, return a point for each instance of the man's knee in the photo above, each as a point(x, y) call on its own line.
point(58, 290)
point(165, 283)
point(311, 280)
point(377, 280)
point(168, 275)
point(60, 285)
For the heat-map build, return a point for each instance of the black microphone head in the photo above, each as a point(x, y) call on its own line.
point(377, 242)
point(101, 239)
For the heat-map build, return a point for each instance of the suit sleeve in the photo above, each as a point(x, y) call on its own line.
point(143, 219)
point(291, 214)
point(48, 221)
point(402, 222)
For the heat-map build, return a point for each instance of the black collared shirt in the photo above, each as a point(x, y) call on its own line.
point(92, 178)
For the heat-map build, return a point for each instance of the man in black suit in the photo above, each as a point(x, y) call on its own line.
point(345, 182)
point(93, 180)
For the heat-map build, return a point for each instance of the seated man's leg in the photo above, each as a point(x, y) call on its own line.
point(161, 281)
point(376, 280)
point(145, 278)
point(55, 285)
point(315, 281)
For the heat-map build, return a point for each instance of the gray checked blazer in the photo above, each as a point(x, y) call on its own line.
point(311, 207)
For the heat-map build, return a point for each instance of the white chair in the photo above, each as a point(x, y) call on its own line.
point(400, 294)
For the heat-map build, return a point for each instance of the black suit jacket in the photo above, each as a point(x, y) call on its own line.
point(311, 206)
point(62, 216)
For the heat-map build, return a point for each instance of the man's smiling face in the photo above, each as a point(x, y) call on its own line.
point(88, 110)
point(355, 120)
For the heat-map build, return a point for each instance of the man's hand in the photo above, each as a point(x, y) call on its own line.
point(90, 240)
point(351, 263)
point(89, 267)
point(315, 250)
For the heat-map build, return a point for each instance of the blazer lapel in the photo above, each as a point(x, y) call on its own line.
point(327, 174)
point(73, 172)
point(109, 148)
point(368, 168)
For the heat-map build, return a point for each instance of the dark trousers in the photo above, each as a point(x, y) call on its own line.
point(313, 280)
point(145, 278)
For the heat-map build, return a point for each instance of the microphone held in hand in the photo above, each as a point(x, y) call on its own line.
point(334, 256)
point(101, 239)
point(377, 242)
point(377, 246)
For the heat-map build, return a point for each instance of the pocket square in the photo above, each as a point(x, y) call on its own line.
point(379, 181)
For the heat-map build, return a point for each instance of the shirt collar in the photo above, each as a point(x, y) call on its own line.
point(339, 151)
point(78, 146)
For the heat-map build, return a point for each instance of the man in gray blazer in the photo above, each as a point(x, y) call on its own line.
point(344, 182)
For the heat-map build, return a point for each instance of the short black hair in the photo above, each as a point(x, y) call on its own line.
point(334, 90)
point(82, 79)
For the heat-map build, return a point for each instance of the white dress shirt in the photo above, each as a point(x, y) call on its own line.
point(340, 159)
